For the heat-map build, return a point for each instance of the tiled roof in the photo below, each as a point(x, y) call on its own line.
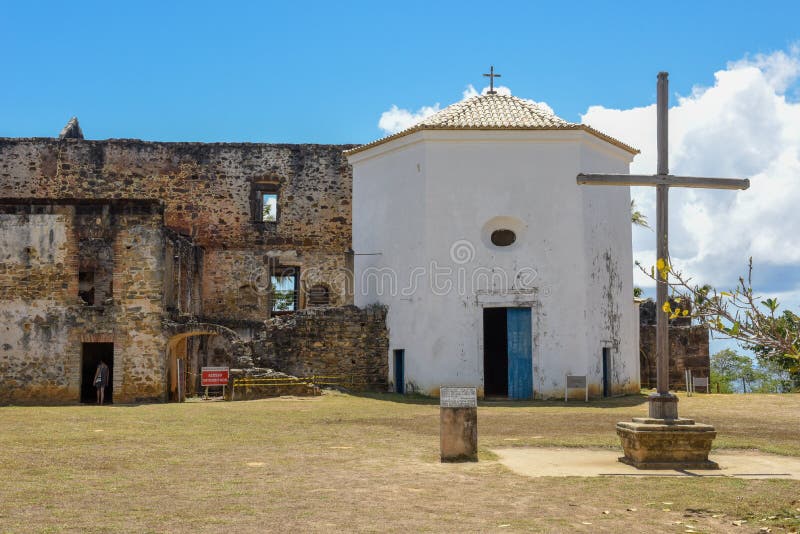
point(494, 112)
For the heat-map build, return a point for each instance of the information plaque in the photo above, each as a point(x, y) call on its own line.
point(458, 397)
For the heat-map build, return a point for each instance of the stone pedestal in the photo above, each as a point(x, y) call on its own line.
point(663, 406)
point(666, 443)
point(459, 434)
point(458, 426)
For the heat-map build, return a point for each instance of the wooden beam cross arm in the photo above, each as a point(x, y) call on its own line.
point(663, 405)
point(663, 179)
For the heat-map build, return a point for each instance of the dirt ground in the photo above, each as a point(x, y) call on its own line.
point(369, 464)
point(585, 462)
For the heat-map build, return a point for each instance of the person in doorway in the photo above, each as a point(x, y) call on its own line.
point(101, 381)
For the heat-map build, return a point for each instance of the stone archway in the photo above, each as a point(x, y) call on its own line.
point(177, 364)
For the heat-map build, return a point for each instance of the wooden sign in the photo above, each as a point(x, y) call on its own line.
point(458, 397)
point(214, 376)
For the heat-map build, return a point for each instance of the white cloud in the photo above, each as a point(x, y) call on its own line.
point(470, 91)
point(742, 126)
point(397, 119)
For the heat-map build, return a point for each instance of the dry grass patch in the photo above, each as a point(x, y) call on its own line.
point(368, 463)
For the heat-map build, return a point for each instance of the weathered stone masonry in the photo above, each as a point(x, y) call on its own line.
point(327, 340)
point(119, 241)
point(45, 321)
point(688, 348)
point(207, 194)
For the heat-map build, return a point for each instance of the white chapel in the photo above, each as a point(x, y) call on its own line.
point(498, 270)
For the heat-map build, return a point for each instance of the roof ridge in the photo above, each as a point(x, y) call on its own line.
point(494, 112)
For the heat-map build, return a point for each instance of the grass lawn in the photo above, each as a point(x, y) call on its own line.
point(367, 463)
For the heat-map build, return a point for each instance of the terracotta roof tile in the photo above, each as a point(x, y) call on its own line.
point(494, 112)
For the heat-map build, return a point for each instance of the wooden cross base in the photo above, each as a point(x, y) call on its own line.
point(663, 406)
point(666, 443)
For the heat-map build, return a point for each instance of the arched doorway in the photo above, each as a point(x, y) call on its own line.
point(183, 372)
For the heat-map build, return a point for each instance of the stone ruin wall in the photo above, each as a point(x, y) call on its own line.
point(343, 342)
point(35, 293)
point(688, 348)
point(207, 193)
point(202, 257)
point(45, 320)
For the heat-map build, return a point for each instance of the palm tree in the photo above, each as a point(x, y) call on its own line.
point(637, 217)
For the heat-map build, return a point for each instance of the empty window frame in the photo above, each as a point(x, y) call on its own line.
point(86, 287)
point(285, 284)
point(264, 203)
point(269, 207)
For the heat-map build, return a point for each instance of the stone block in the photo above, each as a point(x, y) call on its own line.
point(666, 443)
point(459, 434)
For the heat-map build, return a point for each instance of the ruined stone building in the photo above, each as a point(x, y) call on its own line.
point(688, 347)
point(160, 258)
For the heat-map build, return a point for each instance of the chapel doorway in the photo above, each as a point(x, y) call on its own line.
point(91, 355)
point(606, 372)
point(507, 353)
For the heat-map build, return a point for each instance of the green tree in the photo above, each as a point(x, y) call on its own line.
point(784, 368)
point(740, 314)
point(775, 378)
point(727, 368)
point(732, 371)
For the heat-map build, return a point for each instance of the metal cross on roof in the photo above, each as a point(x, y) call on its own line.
point(492, 76)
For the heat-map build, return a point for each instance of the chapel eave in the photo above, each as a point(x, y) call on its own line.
point(588, 129)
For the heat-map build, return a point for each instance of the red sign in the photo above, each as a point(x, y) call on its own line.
point(214, 376)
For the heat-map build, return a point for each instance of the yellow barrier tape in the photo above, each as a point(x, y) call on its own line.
point(322, 380)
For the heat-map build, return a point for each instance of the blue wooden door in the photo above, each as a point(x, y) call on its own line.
point(520, 364)
point(399, 371)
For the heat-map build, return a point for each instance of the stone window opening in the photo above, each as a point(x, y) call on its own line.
point(284, 290)
point(318, 295)
point(269, 207)
point(86, 287)
point(264, 203)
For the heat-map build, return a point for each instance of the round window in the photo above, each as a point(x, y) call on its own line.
point(503, 238)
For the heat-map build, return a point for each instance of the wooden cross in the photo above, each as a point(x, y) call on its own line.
point(663, 405)
point(492, 76)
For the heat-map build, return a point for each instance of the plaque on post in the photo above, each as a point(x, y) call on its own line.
point(458, 429)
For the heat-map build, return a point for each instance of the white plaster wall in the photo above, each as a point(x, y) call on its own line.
point(610, 313)
point(43, 235)
point(389, 242)
point(417, 197)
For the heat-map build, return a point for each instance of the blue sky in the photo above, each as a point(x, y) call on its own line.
point(325, 71)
